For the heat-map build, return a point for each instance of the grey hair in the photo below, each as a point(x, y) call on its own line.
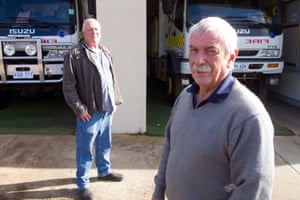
point(221, 28)
point(88, 20)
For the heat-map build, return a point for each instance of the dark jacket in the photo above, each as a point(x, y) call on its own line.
point(82, 83)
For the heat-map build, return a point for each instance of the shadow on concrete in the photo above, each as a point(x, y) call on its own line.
point(34, 190)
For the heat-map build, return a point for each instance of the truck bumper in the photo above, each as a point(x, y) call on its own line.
point(259, 66)
point(271, 79)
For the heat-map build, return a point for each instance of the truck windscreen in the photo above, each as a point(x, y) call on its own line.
point(255, 12)
point(36, 17)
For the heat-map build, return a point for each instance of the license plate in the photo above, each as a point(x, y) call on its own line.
point(240, 66)
point(23, 75)
point(185, 81)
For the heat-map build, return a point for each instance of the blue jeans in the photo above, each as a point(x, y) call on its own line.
point(96, 132)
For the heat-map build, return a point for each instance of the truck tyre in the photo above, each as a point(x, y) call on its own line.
point(259, 87)
point(4, 101)
point(174, 86)
point(262, 89)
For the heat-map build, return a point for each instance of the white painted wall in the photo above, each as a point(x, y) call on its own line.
point(124, 33)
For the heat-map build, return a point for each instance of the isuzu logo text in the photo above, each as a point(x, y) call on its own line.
point(22, 31)
point(257, 41)
point(243, 31)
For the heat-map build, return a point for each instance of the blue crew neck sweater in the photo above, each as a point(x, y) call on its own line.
point(219, 151)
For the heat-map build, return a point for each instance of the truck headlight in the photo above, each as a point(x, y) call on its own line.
point(57, 53)
point(9, 49)
point(269, 53)
point(30, 49)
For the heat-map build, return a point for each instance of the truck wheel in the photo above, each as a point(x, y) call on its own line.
point(4, 101)
point(262, 90)
point(174, 86)
point(258, 86)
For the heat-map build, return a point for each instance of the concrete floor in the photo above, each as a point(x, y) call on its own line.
point(43, 166)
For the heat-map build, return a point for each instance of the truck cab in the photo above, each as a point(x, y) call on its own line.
point(260, 40)
point(34, 38)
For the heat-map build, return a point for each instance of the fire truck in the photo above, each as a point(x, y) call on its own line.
point(260, 40)
point(34, 37)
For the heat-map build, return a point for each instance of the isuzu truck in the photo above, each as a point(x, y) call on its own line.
point(35, 35)
point(260, 40)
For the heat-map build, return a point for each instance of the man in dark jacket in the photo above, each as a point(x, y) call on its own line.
point(90, 89)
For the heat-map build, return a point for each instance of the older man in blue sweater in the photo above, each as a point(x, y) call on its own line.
point(219, 138)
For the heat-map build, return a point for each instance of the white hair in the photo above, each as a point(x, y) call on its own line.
point(221, 28)
point(90, 20)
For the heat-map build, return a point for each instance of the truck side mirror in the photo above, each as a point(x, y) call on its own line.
point(92, 7)
point(167, 6)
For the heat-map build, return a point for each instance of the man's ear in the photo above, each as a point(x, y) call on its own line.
point(233, 56)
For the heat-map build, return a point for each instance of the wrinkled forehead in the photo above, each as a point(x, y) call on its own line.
point(93, 25)
point(200, 38)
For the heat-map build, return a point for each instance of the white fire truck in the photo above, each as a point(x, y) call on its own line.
point(260, 39)
point(34, 37)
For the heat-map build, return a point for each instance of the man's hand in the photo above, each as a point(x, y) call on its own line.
point(85, 116)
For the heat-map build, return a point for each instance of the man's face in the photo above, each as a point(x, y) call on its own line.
point(92, 34)
point(208, 62)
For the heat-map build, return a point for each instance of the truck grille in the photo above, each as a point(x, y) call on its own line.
point(21, 61)
point(248, 53)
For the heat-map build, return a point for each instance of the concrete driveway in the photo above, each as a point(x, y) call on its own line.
point(43, 167)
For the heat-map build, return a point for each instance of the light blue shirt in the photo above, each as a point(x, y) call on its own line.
point(106, 80)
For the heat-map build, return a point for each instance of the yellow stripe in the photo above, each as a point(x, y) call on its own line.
point(175, 41)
